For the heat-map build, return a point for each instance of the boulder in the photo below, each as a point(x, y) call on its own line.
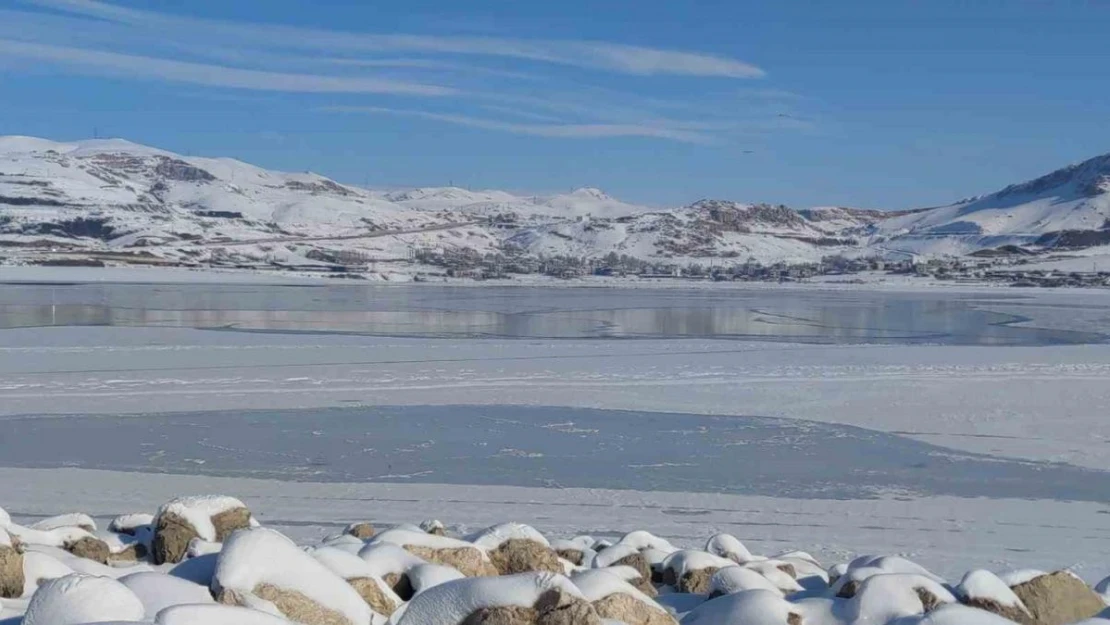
point(261, 564)
point(375, 595)
point(181, 520)
point(434, 527)
point(468, 558)
point(552, 608)
point(522, 556)
point(574, 556)
point(638, 562)
point(11, 566)
point(362, 531)
point(91, 548)
point(470, 561)
point(697, 581)
point(295, 605)
point(631, 611)
point(1058, 598)
point(985, 591)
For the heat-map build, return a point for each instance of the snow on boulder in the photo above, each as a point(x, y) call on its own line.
point(614, 598)
point(434, 526)
point(210, 517)
point(690, 571)
point(216, 615)
point(575, 551)
point(197, 570)
point(1020, 576)
point(87, 566)
point(131, 524)
point(392, 563)
point(733, 579)
point(804, 565)
point(359, 574)
point(1059, 598)
point(622, 554)
point(516, 548)
point(425, 576)
point(39, 568)
point(750, 607)
point(78, 541)
point(728, 546)
point(78, 598)
point(986, 591)
point(73, 519)
point(884, 597)
point(361, 530)
point(469, 559)
point(633, 577)
point(11, 566)
point(858, 570)
point(955, 614)
point(642, 540)
point(158, 591)
point(525, 599)
point(779, 573)
point(262, 569)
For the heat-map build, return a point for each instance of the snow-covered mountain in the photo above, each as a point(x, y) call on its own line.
point(116, 196)
point(1067, 208)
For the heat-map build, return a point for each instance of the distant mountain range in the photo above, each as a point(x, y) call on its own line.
point(117, 196)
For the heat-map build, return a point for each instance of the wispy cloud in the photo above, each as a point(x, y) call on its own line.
point(537, 87)
point(212, 75)
point(584, 54)
point(578, 131)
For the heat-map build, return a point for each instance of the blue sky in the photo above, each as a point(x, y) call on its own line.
point(872, 103)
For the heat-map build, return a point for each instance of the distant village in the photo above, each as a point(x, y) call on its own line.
point(984, 268)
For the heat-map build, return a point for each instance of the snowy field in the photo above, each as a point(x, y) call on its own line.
point(957, 454)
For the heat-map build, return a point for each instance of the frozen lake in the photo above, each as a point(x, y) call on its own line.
point(539, 447)
point(544, 313)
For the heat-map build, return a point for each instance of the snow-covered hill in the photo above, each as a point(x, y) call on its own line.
point(116, 196)
point(1067, 208)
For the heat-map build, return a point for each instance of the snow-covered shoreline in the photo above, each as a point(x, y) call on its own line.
point(947, 536)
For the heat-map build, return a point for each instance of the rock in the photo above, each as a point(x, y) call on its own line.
point(181, 520)
point(574, 556)
point(374, 596)
point(90, 548)
point(631, 611)
point(131, 553)
point(470, 561)
point(638, 562)
point(295, 605)
point(552, 608)
point(1058, 598)
point(11, 567)
point(522, 556)
point(984, 590)
point(434, 527)
point(697, 581)
point(400, 584)
point(363, 531)
point(260, 564)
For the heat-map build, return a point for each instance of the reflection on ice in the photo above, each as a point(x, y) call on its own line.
point(539, 446)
